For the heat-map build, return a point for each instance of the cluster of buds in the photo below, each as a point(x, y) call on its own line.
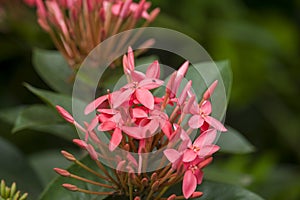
point(136, 121)
point(11, 192)
point(77, 26)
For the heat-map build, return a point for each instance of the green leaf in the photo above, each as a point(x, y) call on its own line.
point(54, 99)
point(44, 119)
point(53, 69)
point(222, 174)
point(9, 115)
point(55, 191)
point(15, 168)
point(234, 142)
point(216, 191)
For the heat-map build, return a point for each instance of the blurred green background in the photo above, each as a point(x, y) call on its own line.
point(261, 40)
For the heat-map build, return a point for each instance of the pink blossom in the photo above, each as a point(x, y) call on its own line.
point(202, 147)
point(201, 115)
point(139, 91)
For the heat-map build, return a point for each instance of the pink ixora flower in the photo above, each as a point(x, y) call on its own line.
point(201, 114)
point(137, 121)
point(193, 157)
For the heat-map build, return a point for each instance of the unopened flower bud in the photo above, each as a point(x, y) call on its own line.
point(210, 90)
point(197, 194)
point(82, 144)
point(65, 114)
point(92, 152)
point(68, 156)
point(145, 182)
point(70, 187)
point(153, 14)
point(155, 186)
point(62, 172)
point(154, 177)
point(172, 197)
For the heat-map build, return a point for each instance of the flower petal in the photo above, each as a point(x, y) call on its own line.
point(145, 97)
point(107, 126)
point(208, 151)
point(195, 121)
point(153, 70)
point(189, 184)
point(116, 138)
point(199, 175)
point(93, 124)
point(172, 155)
point(139, 113)
point(150, 83)
point(135, 132)
point(206, 107)
point(95, 104)
point(206, 138)
point(137, 76)
point(189, 155)
point(215, 123)
point(122, 97)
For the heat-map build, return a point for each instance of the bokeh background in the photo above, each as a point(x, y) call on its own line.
point(259, 38)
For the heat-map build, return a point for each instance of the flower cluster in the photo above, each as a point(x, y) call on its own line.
point(137, 121)
point(77, 26)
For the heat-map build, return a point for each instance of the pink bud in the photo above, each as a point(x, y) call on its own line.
point(42, 15)
point(125, 8)
point(82, 144)
point(205, 162)
point(120, 166)
point(210, 90)
point(183, 69)
point(67, 116)
point(58, 19)
point(92, 152)
point(145, 182)
point(91, 5)
point(155, 186)
point(30, 3)
point(125, 65)
point(139, 10)
point(137, 198)
point(130, 59)
point(153, 14)
point(41, 10)
point(172, 197)
point(62, 172)
point(94, 137)
point(68, 156)
point(154, 176)
point(197, 194)
point(70, 187)
point(184, 93)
